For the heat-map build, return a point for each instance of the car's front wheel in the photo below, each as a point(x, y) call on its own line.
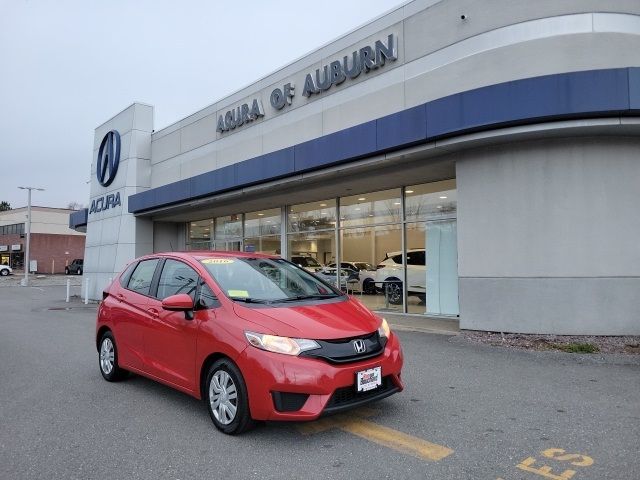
point(227, 399)
point(4, 272)
point(108, 359)
point(66, 271)
point(394, 291)
point(79, 272)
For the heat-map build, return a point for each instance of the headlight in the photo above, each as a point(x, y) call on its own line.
point(286, 345)
point(384, 330)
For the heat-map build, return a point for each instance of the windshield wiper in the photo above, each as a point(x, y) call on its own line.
point(249, 300)
point(306, 297)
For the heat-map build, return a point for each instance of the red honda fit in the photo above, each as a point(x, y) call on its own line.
point(255, 336)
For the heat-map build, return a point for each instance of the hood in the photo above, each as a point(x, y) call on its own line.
point(317, 320)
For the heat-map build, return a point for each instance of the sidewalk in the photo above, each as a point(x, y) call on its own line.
point(419, 323)
point(37, 280)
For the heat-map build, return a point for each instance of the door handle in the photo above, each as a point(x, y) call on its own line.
point(153, 312)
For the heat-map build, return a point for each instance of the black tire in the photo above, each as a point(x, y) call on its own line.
point(79, 271)
point(368, 287)
point(115, 373)
point(4, 272)
point(241, 421)
point(394, 291)
point(66, 271)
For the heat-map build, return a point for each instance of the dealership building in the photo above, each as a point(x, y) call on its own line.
point(490, 147)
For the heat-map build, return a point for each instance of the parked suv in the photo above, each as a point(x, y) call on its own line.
point(74, 267)
point(391, 270)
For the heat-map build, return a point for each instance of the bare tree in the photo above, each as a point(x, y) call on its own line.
point(4, 206)
point(75, 206)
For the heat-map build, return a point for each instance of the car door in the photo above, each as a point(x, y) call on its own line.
point(170, 343)
point(131, 317)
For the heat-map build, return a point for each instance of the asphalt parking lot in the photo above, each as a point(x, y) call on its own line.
point(468, 412)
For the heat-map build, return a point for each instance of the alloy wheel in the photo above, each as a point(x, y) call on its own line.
point(107, 356)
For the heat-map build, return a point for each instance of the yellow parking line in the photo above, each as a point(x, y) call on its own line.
point(401, 442)
point(387, 437)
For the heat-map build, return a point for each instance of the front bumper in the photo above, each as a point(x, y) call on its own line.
point(267, 373)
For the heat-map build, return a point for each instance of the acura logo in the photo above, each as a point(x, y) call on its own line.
point(359, 346)
point(108, 158)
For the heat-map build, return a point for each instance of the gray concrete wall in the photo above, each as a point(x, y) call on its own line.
point(548, 236)
point(438, 54)
point(114, 236)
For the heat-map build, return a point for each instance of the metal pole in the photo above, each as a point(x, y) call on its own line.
point(68, 290)
point(27, 252)
point(26, 263)
point(86, 291)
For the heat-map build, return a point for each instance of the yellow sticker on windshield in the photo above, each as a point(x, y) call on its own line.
point(238, 293)
point(217, 261)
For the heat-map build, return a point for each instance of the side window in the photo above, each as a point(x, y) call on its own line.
point(207, 298)
point(142, 276)
point(124, 278)
point(415, 258)
point(397, 258)
point(177, 277)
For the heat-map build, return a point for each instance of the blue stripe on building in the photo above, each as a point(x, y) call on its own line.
point(588, 94)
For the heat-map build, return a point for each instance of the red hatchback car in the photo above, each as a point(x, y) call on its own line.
point(255, 336)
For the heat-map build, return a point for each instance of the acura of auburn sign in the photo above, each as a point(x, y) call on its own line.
point(360, 61)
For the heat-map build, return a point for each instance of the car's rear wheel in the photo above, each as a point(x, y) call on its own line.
point(66, 271)
point(79, 272)
point(227, 399)
point(108, 359)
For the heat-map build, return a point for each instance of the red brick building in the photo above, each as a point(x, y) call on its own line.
point(53, 244)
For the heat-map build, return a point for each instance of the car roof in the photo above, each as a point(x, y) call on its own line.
point(202, 254)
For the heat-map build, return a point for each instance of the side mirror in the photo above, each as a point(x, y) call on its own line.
point(179, 303)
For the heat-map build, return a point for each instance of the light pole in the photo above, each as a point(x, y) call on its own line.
point(25, 282)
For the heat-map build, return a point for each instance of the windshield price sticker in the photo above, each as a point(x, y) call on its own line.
point(217, 261)
point(238, 293)
point(369, 379)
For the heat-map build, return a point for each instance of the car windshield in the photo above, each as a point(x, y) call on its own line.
point(265, 280)
point(364, 266)
point(307, 262)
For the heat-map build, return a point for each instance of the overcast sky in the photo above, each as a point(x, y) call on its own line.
point(68, 66)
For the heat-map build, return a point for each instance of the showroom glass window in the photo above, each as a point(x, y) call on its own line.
point(200, 235)
point(432, 255)
point(311, 234)
point(228, 233)
point(262, 231)
point(371, 233)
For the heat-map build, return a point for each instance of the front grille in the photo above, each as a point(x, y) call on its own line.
point(288, 402)
point(343, 351)
point(348, 396)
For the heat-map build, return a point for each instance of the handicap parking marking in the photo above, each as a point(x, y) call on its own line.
point(385, 436)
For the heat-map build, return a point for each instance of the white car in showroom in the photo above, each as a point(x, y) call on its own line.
point(390, 270)
point(363, 272)
point(5, 270)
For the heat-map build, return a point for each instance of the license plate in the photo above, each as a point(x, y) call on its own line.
point(369, 379)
